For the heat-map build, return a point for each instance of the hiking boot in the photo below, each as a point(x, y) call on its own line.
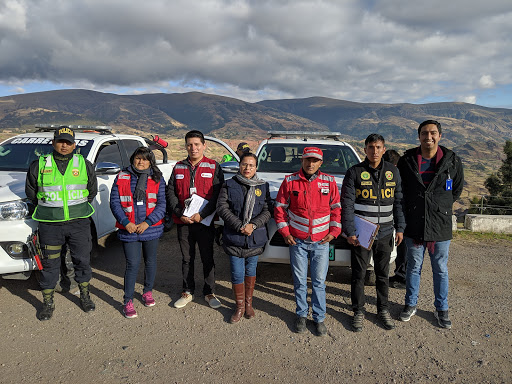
point(357, 322)
point(397, 282)
point(48, 305)
point(85, 300)
point(321, 329)
point(386, 320)
point(442, 319)
point(129, 310)
point(185, 298)
point(212, 301)
point(407, 313)
point(300, 324)
point(147, 299)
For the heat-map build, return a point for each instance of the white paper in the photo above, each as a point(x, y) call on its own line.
point(196, 204)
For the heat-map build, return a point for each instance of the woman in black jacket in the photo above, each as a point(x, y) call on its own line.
point(245, 206)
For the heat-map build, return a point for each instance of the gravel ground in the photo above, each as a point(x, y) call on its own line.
point(196, 344)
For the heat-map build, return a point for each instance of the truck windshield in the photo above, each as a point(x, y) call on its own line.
point(16, 154)
point(286, 158)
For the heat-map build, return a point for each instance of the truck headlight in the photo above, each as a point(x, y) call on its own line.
point(14, 210)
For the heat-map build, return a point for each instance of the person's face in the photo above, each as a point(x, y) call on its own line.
point(239, 152)
point(64, 147)
point(310, 165)
point(429, 137)
point(248, 167)
point(374, 152)
point(195, 148)
point(140, 163)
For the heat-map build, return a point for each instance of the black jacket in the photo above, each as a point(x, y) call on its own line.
point(428, 211)
point(377, 188)
point(230, 206)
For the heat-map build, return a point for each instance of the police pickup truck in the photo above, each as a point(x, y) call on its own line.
point(279, 156)
point(109, 153)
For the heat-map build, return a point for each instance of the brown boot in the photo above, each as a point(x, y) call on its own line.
point(239, 291)
point(249, 289)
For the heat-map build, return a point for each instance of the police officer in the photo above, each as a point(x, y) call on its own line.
point(62, 185)
point(372, 189)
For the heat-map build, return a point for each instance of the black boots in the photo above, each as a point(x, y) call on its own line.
point(48, 305)
point(85, 299)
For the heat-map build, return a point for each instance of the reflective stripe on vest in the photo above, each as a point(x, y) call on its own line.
point(126, 197)
point(62, 197)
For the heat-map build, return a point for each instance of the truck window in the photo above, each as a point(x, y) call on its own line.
point(109, 152)
point(131, 146)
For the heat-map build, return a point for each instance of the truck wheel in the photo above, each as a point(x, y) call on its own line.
point(370, 279)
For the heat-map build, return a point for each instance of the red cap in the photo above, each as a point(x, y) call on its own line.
point(313, 152)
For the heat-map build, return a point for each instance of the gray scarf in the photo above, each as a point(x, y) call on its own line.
point(250, 199)
point(142, 182)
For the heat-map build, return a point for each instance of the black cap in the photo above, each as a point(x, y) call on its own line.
point(64, 133)
point(244, 147)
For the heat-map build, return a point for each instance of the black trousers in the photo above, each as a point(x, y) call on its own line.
point(360, 258)
point(188, 236)
point(77, 235)
point(401, 260)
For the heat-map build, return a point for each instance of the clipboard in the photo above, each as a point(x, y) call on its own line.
point(366, 231)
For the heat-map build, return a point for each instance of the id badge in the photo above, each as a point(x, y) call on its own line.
point(140, 202)
point(193, 190)
point(449, 183)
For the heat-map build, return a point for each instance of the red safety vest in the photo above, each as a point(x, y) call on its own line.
point(203, 181)
point(126, 197)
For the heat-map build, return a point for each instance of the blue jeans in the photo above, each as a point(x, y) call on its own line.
point(132, 253)
point(241, 267)
point(439, 262)
point(318, 254)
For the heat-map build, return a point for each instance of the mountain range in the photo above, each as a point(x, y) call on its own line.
point(225, 117)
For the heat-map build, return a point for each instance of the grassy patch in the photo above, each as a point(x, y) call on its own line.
point(480, 236)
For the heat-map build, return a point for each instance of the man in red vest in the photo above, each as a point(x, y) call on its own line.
point(202, 176)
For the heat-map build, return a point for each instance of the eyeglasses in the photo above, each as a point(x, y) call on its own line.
point(250, 166)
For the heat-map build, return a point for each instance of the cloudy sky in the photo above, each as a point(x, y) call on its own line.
point(388, 51)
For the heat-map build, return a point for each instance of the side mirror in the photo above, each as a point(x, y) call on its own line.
point(107, 168)
point(230, 167)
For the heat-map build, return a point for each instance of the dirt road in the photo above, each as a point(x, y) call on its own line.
point(197, 344)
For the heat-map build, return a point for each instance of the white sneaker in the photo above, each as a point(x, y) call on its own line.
point(185, 298)
point(212, 301)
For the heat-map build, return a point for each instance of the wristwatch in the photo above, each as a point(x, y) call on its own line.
point(254, 227)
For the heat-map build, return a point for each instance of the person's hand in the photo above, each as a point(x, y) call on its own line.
point(186, 220)
point(142, 227)
point(290, 240)
point(196, 218)
point(247, 230)
point(131, 227)
point(327, 239)
point(353, 240)
point(399, 237)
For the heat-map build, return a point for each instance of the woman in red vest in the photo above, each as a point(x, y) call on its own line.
point(137, 201)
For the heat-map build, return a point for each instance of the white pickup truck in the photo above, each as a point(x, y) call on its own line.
point(109, 153)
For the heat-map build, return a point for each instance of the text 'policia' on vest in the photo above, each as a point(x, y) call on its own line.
point(62, 197)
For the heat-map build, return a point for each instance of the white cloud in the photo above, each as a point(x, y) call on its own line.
point(471, 99)
point(393, 51)
point(486, 81)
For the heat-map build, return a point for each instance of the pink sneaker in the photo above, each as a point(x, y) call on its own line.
point(148, 300)
point(129, 311)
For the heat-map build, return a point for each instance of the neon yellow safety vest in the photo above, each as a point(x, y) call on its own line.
point(62, 197)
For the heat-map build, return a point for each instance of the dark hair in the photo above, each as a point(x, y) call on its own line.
point(373, 138)
point(392, 156)
point(249, 154)
point(428, 122)
point(146, 154)
point(194, 133)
